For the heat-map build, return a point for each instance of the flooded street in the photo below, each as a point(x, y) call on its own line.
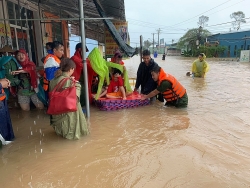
point(205, 145)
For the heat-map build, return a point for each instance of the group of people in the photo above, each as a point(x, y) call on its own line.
point(152, 80)
point(155, 82)
point(70, 125)
point(116, 88)
point(18, 76)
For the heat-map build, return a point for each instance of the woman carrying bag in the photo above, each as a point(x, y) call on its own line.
point(67, 118)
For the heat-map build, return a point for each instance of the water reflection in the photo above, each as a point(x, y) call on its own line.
point(198, 84)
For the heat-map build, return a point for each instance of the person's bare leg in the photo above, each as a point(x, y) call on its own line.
point(129, 93)
point(39, 105)
point(104, 92)
point(37, 102)
point(25, 106)
point(123, 92)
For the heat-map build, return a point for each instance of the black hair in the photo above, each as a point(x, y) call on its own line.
point(146, 53)
point(115, 71)
point(49, 44)
point(79, 45)
point(156, 69)
point(56, 44)
point(201, 55)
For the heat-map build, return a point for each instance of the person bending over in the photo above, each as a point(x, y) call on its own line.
point(173, 92)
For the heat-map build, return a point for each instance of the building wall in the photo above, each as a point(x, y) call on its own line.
point(233, 42)
point(32, 36)
point(50, 30)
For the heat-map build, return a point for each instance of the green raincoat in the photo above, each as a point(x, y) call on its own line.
point(101, 67)
point(69, 125)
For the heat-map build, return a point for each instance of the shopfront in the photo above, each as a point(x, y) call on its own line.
point(20, 32)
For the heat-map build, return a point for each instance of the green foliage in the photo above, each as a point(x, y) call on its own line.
point(190, 37)
point(147, 43)
point(188, 53)
point(211, 51)
point(238, 52)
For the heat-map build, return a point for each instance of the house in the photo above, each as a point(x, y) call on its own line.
point(172, 50)
point(233, 41)
point(30, 24)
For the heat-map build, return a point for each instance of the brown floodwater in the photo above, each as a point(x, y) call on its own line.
point(205, 145)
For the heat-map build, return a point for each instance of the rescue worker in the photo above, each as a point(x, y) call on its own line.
point(173, 92)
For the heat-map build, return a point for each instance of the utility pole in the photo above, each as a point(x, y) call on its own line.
point(153, 42)
point(199, 37)
point(158, 31)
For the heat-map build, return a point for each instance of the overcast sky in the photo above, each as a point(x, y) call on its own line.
point(175, 17)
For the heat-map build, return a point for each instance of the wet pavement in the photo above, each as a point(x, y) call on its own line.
point(205, 145)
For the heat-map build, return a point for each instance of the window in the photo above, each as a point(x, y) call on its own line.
point(11, 12)
point(242, 47)
point(57, 31)
point(22, 31)
point(248, 47)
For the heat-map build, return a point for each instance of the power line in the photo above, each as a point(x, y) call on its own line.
point(161, 32)
point(222, 9)
point(147, 23)
point(152, 24)
point(200, 14)
point(225, 23)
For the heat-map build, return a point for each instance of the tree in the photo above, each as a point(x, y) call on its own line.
point(147, 43)
point(202, 21)
point(191, 36)
point(239, 18)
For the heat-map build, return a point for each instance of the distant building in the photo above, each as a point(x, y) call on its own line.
point(234, 41)
point(172, 50)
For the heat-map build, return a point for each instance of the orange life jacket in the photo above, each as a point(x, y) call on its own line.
point(45, 80)
point(177, 90)
point(2, 95)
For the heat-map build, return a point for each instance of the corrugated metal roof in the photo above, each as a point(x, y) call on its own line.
point(94, 29)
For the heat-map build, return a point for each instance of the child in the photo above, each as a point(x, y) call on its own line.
point(115, 90)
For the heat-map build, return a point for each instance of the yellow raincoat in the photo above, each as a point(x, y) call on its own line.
point(200, 67)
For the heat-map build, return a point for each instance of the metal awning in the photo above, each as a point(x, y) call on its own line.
point(94, 29)
point(116, 36)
